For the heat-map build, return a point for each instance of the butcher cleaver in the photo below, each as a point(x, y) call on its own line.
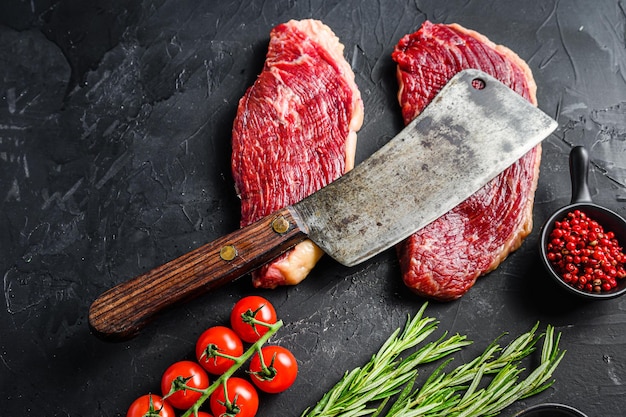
point(472, 130)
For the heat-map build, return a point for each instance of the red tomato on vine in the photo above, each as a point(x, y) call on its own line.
point(252, 307)
point(243, 400)
point(188, 373)
point(279, 373)
point(215, 341)
point(150, 405)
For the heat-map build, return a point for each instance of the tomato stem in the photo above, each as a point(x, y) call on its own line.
point(238, 362)
point(152, 410)
point(180, 384)
point(212, 351)
point(226, 402)
point(267, 373)
point(249, 317)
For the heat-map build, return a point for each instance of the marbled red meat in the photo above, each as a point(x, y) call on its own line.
point(295, 132)
point(443, 260)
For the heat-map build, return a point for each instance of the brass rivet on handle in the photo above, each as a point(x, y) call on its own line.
point(280, 224)
point(228, 252)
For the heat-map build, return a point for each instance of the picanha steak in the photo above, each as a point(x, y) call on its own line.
point(443, 260)
point(295, 132)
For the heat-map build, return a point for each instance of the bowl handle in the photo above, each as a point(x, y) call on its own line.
point(579, 170)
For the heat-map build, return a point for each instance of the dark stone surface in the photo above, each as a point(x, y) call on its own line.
point(115, 123)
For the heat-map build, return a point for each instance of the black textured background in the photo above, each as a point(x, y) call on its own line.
point(115, 121)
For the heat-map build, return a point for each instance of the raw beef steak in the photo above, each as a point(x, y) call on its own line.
point(295, 132)
point(443, 260)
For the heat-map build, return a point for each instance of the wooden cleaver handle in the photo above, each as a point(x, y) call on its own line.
point(122, 311)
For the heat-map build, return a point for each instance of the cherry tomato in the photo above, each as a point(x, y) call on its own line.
point(218, 339)
point(243, 400)
point(150, 405)
point(281, 369)
point(256, 307)
point(203, 414)
point(188, 373)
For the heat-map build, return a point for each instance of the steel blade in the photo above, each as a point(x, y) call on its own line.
point(474, 129)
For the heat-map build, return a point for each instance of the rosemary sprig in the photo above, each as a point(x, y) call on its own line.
point(461, 392)
point(458, 392)
point(385, 374)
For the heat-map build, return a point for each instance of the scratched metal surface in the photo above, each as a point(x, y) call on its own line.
point(463, 122)
point(114, 158)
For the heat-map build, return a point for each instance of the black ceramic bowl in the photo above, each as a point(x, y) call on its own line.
point(581, 200)
point(550, 410)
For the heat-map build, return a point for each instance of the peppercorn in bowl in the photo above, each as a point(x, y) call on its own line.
point(582, 249)
point(582, 244)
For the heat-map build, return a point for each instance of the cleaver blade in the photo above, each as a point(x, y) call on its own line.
point(472, 130)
